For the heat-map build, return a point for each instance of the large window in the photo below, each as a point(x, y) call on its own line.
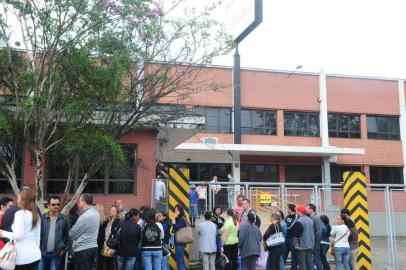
point(383, 127)
point(301, 124)
point(6, 152)
point(303, 174)
point(336, 172)
point(107, 180)
point(343, 125)
point(259, 173)
point(386, 175)
point(258, 122)
point(217, 120)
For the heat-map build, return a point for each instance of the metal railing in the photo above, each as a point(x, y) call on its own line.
point(387, 209)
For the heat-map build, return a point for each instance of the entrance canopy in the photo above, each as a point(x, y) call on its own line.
point(266, 149)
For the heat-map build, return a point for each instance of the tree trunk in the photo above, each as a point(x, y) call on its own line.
point(72, 167)
point(39, 179)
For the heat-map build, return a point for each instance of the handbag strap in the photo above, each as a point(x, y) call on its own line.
point(334, 242)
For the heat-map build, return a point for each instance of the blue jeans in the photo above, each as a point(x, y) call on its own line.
point(180, 256)
point(50, 261)
point(289, 247)
point(342, 257)
point(282, 263)
point(125, 263)
point(165, 261)
point(152, 259)
point(324, 249)
point(316, 256)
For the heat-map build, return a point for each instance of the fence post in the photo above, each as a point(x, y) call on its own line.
point(247, 191)
point(283, 198)
point(390, 229)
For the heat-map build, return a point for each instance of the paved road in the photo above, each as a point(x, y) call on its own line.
point(380, 255)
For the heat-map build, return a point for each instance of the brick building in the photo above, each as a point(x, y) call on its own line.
point(296, 127)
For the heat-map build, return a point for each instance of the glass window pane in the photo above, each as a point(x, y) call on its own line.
point(303, 173)
point(343, 123)
point(121, 187)
point(313, 121)
point(270, 120)
point(225, 117)
point(200, 111)
point(394, 125)
point(300, 120)
point(245, 118)
point(212, 112)
point(382, 123)
point(212, 121)
point(354, 123)
point(332, 122)
point(96, 187)
point(374, 174)
point(288, 120)
point(371, 123)
point(257, 118)
point(397, 175)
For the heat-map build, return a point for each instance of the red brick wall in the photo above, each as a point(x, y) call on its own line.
point(362, 96)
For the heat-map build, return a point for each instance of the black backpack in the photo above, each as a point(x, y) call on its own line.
point(151, 234)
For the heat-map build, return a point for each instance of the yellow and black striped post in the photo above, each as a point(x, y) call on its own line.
point(356, 201)
point(178, 187)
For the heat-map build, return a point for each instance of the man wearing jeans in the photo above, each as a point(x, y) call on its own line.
point(54, 236)
point(84, 233)
point(311, 211)
point(304, 234)
point(207, 231)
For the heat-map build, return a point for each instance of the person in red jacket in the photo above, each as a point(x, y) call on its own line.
point(5, 203)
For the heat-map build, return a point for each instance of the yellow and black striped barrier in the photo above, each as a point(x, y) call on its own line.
point(356, 201)
point(178, 186)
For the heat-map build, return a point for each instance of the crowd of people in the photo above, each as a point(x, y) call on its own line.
point(303, 234)
point(122, 240)
point(139, 238)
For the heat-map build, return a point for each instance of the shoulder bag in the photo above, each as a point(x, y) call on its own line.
point(114, 239)
point(333, 244)
point(184, 235)
point(8, 256)
point(275, 239)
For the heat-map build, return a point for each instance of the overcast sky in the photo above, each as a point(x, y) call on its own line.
point(355, 37)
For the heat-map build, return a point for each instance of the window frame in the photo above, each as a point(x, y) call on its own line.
point(306, 131)
point(106, 177)
point(298, 180)
point(263, 130)
point(380, 169)
point(267, 172)
point(379, 135)
point(218, 128)
point(349, 131)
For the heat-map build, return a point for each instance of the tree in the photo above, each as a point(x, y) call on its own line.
point(80, 74)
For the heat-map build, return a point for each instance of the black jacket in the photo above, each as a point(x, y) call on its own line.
point(129, 239)
point(62, 228)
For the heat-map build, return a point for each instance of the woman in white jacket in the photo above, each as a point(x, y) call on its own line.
point(26, 231)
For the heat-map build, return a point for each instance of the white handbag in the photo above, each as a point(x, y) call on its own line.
point(275, 239)
point(8, 256)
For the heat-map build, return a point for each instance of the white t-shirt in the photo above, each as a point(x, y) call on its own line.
point(26, 240)
point(215, 188)
point(338, 231)
point(159, 189)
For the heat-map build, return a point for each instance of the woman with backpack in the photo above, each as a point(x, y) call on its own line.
point(129, 239)
point(178, 223)
point(166, 225)
point(152, 235)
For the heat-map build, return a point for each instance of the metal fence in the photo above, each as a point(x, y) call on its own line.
point(387, 210)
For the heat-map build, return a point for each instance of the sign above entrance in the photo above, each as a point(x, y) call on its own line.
point(210, 140)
